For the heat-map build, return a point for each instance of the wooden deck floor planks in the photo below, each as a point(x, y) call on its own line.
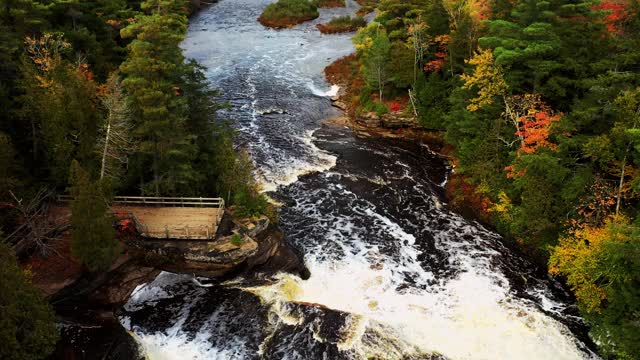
point(174, 222)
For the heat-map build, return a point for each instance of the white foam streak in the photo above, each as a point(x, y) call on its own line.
point(287, 173)
point(333, 91)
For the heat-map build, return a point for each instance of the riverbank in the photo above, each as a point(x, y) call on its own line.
point(461, 195)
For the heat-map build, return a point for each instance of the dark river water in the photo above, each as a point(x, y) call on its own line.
point(395, 274)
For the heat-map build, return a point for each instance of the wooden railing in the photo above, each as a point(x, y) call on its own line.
point(159, 200)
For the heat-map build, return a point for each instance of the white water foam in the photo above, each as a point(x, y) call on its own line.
point(333, 91)
point(289, 172)
point(472, 316)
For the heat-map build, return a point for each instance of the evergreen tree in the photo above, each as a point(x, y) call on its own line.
point(8, 179)
point(152, 77)
point(547, 47)
point(93, 241)
point(60, 103)
point(27, 328)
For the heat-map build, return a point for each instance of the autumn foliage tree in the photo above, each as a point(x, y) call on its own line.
point(60, 103)
point(487, 79)
point(602, 266)
point(535, 125)
point(615, 13)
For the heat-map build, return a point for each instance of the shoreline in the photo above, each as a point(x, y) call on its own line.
point(461, 196)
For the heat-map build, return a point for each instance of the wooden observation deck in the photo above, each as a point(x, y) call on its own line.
point(188, 218)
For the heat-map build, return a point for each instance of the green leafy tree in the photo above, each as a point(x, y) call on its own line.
point(374, 46)
point(93, 241)
point(27, 328)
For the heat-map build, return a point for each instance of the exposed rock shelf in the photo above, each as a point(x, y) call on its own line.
point(250, 245)
point(86, 303)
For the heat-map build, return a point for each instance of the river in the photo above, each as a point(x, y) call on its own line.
point(395, 274)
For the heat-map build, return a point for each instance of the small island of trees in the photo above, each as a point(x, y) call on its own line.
point(287, 13)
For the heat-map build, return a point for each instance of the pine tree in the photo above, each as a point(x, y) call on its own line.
point(27, 328)
point(93, 241)
point(152, 76)
point(60, 103)
point(547, 47)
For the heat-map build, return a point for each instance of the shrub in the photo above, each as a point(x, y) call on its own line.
point(331, 3)
point(236, 240)
point(366, 6)
point(286, 13)
point(381, 108)
point(342, 24)
point(241, 188)
point(249, 202)
point(365, 10)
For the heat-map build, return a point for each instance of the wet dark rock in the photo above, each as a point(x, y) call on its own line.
point(387, 121)
point(107, 290)
point(340, 105)
point(85, 311)
point(96, 339)
point(86, 307)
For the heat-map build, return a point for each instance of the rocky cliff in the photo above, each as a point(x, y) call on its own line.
point(86, 303)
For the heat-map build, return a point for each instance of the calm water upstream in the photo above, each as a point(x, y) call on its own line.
point(395, 274)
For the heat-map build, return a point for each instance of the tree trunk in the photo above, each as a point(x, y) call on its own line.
point(34, 139)
point(619, 196)
point(514, 119)
point(156, 177)
point(106, 146)
point(413, 104)
point(380, 83)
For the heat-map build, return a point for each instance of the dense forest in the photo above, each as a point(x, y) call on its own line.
point(98, 100)
point(540, 101)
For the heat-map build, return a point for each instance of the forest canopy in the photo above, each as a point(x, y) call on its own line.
point(540, 101)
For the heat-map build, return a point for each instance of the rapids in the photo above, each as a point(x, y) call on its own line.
point(395, 274)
